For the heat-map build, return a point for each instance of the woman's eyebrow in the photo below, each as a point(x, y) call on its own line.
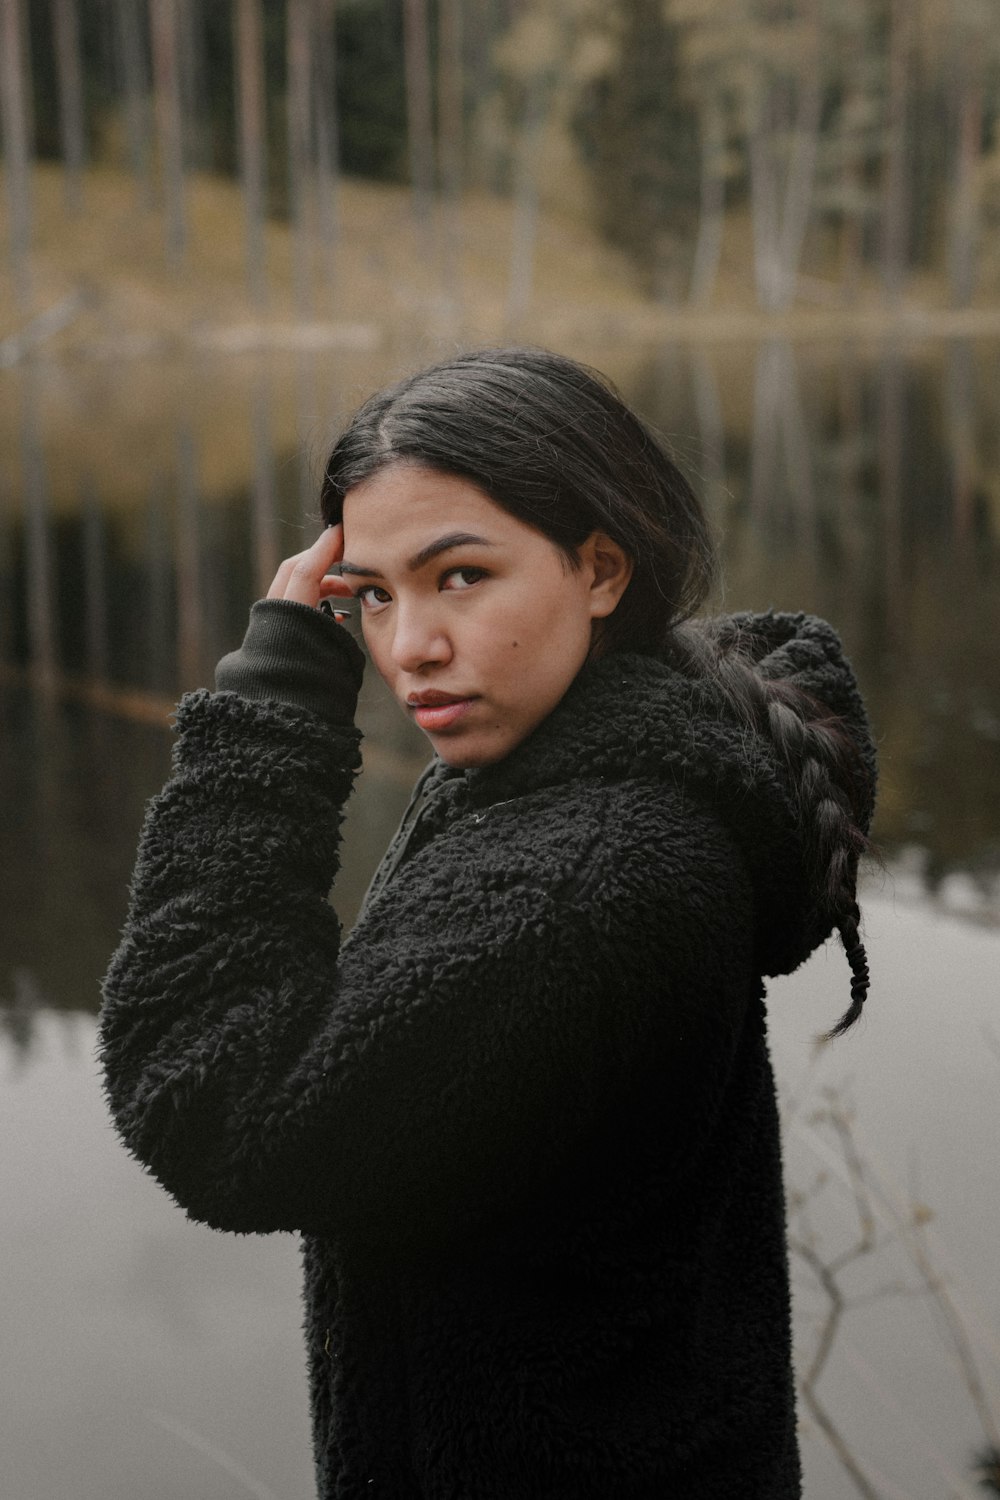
point(425, 555)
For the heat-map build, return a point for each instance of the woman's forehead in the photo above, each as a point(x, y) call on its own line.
point(404, 513)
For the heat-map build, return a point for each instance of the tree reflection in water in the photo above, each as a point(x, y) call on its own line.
point(863, 485)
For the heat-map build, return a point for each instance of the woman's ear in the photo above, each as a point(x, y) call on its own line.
point(610, 568)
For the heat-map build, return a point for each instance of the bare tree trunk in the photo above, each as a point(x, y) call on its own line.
point(780, 216)
point(851, 185)
point(15, 112)
point(895, 204)
point(71, 127)
point(802, 171)
point(963, 237)
point(298, 53)
point(484, 166)
point(135, 78)
point(252, 130)
point(480, 38)
point(450, 75)
point(192, 70)
point(419, 116)
point(521, 275)
point(327, 137)
point(167, 88)
point(711, 222)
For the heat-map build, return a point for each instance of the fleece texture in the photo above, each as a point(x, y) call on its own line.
point(523, 1116)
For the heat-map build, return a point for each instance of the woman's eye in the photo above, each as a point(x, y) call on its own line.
point(462, 578)
point(372, 596)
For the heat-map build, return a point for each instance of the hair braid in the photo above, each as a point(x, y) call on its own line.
point(828, 780)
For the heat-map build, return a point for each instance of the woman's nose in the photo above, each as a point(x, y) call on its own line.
point(419, 640)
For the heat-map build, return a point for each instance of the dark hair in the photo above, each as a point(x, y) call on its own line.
point(552, 442)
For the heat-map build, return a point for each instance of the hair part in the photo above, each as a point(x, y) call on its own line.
point(551, 442)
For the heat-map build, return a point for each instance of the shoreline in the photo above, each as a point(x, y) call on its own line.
point(43, 336)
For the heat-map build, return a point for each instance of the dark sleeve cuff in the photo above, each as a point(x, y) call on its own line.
point(293, 653)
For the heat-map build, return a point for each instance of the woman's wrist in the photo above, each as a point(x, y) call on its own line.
point(294, 653)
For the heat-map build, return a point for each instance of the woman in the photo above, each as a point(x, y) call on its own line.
point(523, 1116)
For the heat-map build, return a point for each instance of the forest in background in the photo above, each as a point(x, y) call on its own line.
point(847, 150)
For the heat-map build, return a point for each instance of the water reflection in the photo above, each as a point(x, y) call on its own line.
point(858, 483)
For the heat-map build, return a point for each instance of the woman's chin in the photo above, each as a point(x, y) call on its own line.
point(467, 752)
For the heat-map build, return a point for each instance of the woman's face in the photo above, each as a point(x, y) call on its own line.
point(477, 622)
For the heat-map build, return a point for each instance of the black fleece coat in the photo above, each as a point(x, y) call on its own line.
point(524, 1116)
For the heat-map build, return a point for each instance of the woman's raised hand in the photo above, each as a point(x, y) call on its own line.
point(305, 577)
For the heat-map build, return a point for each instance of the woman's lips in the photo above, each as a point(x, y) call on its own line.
point(434, 716)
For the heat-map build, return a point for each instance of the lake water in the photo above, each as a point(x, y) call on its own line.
point(142, 510)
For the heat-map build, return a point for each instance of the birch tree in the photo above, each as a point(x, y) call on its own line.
point(783, 146)
point(966, 197)
point(66, 32)
point(524, 234)
point(545, 61)
point(327, 130)
point(960, 40)
point(164, 31)
point(450, 113)
point(193, 71)
point(852, 143)
point(714, 61)
point(252, 136)
point(15, 113)
point(762, 61)
point(135, 81)
point(894, 236)
point(298, 63)
point(419, 114)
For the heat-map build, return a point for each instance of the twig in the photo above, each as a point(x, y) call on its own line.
point(957, 1334)
point(872, 1200)
point(216, 1454)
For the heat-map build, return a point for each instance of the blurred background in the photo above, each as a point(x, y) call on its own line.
point(774, 223)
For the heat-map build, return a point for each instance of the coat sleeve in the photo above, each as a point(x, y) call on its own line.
point(501, 994)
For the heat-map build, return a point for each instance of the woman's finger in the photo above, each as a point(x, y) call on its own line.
point(277, 589)
point(300, 577)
